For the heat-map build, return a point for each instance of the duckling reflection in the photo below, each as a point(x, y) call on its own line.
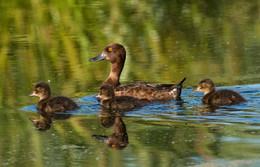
point(118, 139)
point(107, 117)
point(213, 110)
point(44, 123)
point(208, 110)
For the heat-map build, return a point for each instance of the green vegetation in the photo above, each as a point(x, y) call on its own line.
point(165, 41)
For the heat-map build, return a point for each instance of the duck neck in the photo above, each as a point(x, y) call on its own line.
point(210, 91)
point(106, 103)
point(114, 76)
point(45, 96)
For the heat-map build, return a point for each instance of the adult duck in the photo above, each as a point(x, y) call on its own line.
point(217, 97)
point(116, 54)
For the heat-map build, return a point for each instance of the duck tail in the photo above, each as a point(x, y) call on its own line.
point(180, 83)
point(176, 91)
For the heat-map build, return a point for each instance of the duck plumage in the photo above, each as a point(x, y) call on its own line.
point(116, 54)
point(110, 101)
point(217, 97)
point(51, 104)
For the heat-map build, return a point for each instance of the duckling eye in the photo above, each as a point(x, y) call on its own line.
point(110, 49)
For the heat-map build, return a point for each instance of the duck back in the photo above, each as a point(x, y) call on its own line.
point(56, 104)
point(223, 97)
point(151, 91)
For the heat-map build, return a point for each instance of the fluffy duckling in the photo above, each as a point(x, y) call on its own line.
point(217, 97)
point(51, 104)
point(109, 100)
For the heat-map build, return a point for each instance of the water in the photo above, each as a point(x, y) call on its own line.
point(170, 133)
point(165, 40)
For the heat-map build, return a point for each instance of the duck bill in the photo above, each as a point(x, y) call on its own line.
point(33, 120)
point(196, 90)
point(100, 138)
point(99, 57)
point(33, 94)
point(98, 96)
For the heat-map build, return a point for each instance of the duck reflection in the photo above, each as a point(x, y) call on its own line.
point(208, 110)
point(119, 138)
point(44, 123)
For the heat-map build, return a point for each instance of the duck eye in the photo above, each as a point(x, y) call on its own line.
point(110, 49)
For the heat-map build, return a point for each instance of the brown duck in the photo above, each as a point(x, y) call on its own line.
point(217, 97)
point(110, 101)
point(116, 54)
point(51, 104)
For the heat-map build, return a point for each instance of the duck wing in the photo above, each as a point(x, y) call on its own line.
point(150, 91)
point(226, 97)
point(60, 103)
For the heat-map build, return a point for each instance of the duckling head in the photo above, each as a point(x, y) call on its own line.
point(206, 85)
point(42, 90)
point(106, 92)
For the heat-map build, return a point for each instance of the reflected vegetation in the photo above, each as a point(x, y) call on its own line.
point(52, 41)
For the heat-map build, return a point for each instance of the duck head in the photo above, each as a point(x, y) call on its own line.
point(42, 90)
point(206, 85)
point(116, 54)
point(106, 92)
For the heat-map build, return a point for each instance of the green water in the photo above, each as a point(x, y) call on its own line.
point(53, 41)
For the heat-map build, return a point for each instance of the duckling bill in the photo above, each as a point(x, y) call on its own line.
point(217, 97)
point(48, 103)
point(110, 101)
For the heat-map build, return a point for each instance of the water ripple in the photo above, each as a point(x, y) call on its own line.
point(189, 109)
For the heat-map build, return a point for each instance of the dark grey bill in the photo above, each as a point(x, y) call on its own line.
point(99, 57)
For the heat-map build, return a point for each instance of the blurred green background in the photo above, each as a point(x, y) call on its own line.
point(165, 41)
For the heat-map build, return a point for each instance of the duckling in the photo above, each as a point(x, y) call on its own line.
point(217, 97)
point(109, 100)
point(51, 104)
point(116, 55)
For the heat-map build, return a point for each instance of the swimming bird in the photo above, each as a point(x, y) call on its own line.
point(48, 103)
point(217, 97)
point(116, 54)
